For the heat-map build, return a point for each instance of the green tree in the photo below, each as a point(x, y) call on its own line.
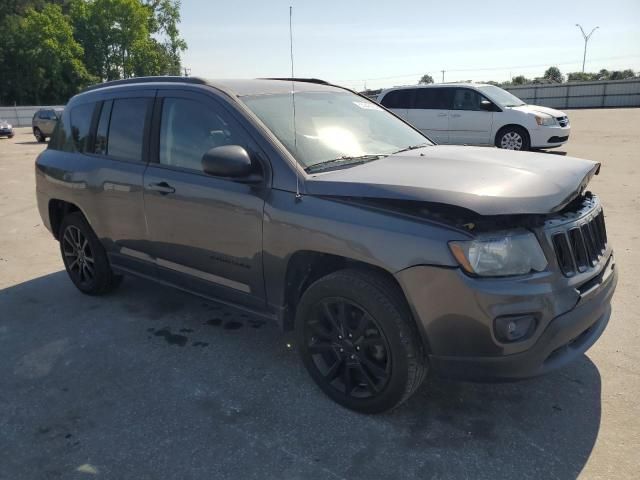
point(520, 80)
point(165, 17)
point(553, 74)
point(42, 63)
point(580, 76)
point(125, 38)
point(426, 79)
point(622, 74)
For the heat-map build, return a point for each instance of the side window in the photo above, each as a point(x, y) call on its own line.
point(81, 126)
point(100, 146)
point(189, 128)
point(466, 99)
point(126, 128)
point(398, 99)
point(432, 98)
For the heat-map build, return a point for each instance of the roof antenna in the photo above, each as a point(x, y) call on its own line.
point(293, 102)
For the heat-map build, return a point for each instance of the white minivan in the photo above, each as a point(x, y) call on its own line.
point(477, 114)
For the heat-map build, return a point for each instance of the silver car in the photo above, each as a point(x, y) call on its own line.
point(44, 122)
point(6, 129)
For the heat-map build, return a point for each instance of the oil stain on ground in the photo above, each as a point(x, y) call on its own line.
point(172, 338)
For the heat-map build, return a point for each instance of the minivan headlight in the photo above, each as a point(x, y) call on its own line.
point(545, 120)
point(500, 254)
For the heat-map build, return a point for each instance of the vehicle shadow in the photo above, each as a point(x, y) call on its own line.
point(102, 375)
point(554, 152)
point(33, 142)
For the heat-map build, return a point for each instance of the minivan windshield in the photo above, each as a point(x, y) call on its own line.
point(333, 128)
point(500, 96)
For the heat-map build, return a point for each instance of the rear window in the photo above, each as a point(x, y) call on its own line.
point(80, 126)
point(398, 99)
point(126, 129)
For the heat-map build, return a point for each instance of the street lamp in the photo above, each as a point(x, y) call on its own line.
point(586, 39)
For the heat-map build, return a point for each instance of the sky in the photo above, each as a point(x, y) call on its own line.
point(371, 44)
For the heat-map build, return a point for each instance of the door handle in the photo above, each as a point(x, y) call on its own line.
point(442, 114)
point(455, 115)
point(163, 188)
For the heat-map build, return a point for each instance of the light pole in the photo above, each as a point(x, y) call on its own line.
point(586, 39)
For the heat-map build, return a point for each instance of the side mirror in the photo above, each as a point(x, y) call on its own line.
point(486, 105)
point(231, 161)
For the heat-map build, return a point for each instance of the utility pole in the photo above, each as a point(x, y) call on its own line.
point(586, 39)
point(442, 75)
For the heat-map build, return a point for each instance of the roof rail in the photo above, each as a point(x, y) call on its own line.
point(136, 80)
point(306, 80)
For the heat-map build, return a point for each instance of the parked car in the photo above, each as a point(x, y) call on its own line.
point(6, 129)
point(475, 114)
point(389, 256)
point(44, 122)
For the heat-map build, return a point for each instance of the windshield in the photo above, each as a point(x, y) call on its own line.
point(500, 96)
point(333, 127)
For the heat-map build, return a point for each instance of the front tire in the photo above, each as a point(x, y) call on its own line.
point(358, 341)
point(84, 257)
point(513, 138)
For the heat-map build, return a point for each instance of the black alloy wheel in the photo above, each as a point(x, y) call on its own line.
point(358, 340)
point(84, 257)
point(348, 348)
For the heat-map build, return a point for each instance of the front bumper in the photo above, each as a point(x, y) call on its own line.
point(455, 314)
point(542, 137)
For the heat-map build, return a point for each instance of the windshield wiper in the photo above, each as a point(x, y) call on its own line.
point(342, 161)
point(412, 147)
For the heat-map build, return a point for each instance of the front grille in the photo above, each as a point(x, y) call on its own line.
point(581, 245)
point(563, 121)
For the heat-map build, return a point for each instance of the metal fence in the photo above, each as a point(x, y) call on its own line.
point(599, 94)
point(21, 116)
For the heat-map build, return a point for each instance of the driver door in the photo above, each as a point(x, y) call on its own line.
point(205, 232)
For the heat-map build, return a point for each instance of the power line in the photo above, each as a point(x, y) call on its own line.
point(486, 69)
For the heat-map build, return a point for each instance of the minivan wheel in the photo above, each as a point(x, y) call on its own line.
point(358, 341)
point(38, 134)
point(513, 138)
point(84, 257)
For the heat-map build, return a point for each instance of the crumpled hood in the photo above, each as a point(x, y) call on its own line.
point(488, 181)
point(539, 109)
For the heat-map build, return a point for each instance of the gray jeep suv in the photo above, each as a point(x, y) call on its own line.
point(308, 204)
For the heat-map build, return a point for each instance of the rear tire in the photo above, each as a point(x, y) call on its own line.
point(38, 134)
point(513, 138)
point(84, 257)
point(358, 341)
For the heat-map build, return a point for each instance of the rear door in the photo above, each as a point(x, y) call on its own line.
point(429, 112)
point(109, 136)
point(114, 169)
point(205, 231)
point(468, 123)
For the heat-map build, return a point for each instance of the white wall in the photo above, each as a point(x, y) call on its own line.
point(21, 116)
point(598, 94)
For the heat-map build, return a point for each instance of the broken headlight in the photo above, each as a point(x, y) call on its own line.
point(500, 254)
